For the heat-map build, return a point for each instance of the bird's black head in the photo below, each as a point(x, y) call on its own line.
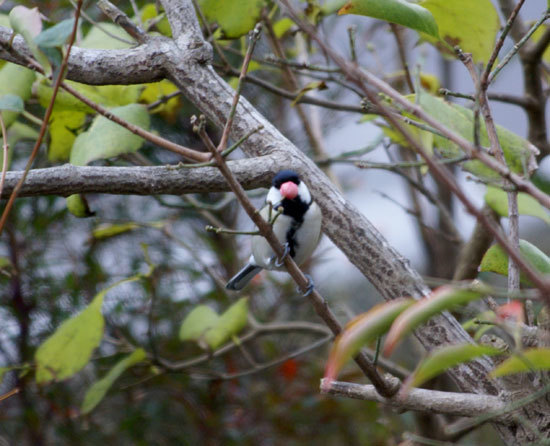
point(283, 176)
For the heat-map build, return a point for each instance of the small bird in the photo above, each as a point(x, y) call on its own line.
point(298, 228)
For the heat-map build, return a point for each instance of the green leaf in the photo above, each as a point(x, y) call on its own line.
point(400, 12)
point(78, 206)
point(529, 360)
point(15, 80)
point(97, 38)
point(70, 347)
point(361, 331)
point(28, 23)
point(235, 17)
point(518, 152)
point(496, 260)
point(106, 139)
point(12, 102)
point(470, 24)
point(97, 391)
point(55, 36)
point(441, 299)
point(111, 230)
point(444, 358)
point(497, 199)
point(229, 324)
point(197, 322)
point(62, 129)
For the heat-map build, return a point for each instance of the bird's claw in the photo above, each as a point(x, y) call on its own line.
point(280, 262)
point(310, 286)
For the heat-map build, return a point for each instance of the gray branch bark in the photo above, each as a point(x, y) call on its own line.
point(423, 400)
point(68, 179)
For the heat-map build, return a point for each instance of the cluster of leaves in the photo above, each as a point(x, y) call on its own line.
point(399, 318)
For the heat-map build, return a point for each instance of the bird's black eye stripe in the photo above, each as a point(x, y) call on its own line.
point(283, 176)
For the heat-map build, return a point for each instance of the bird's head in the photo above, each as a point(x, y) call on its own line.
point(286, 185)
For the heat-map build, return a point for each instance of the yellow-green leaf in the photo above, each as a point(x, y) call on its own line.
point(444, 358)
point(106, 139)
point(229, 324)
point(496, 260)
point(497, 199)
point(157, 90)
point(529, 360)
point(107, 95)
point(316, 85)
point(197, 322)
point(107, 230)
point(362, 330)
point(441, 299)
point(518, 152)
point(63, 128)
point(97, 391)
point(281, 27)
point(70, 347)
point(149, 13)
point(470, 24)
point(400, 12)
point(78, 206)
point(235, 17)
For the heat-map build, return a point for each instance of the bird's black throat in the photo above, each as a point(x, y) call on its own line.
point(296, 209)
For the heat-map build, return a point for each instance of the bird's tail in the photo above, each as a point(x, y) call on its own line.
point(245, 275)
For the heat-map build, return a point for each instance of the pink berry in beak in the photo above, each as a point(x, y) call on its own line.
point(289, 190)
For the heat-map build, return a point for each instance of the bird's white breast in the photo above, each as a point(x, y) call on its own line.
point(307, 237)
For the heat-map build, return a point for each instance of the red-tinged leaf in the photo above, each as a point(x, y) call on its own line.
point(442, 359)
point(512, 310)
point(528, 361)
point(441, 299)
point(360, 331)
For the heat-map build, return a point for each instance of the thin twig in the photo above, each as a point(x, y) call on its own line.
point(46, 120)
point(498, 44)
point(396, 31)
point(255, 35)
point(101, 27)
point(121, 19)
point(5, 151)
point(517, 47)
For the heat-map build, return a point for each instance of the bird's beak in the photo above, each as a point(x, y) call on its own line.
point(289, 190)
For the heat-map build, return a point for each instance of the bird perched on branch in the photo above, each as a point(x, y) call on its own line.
point(298, 227)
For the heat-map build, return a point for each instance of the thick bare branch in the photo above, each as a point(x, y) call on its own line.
point(68, 179)
point(423, 400)
point(99, 67)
